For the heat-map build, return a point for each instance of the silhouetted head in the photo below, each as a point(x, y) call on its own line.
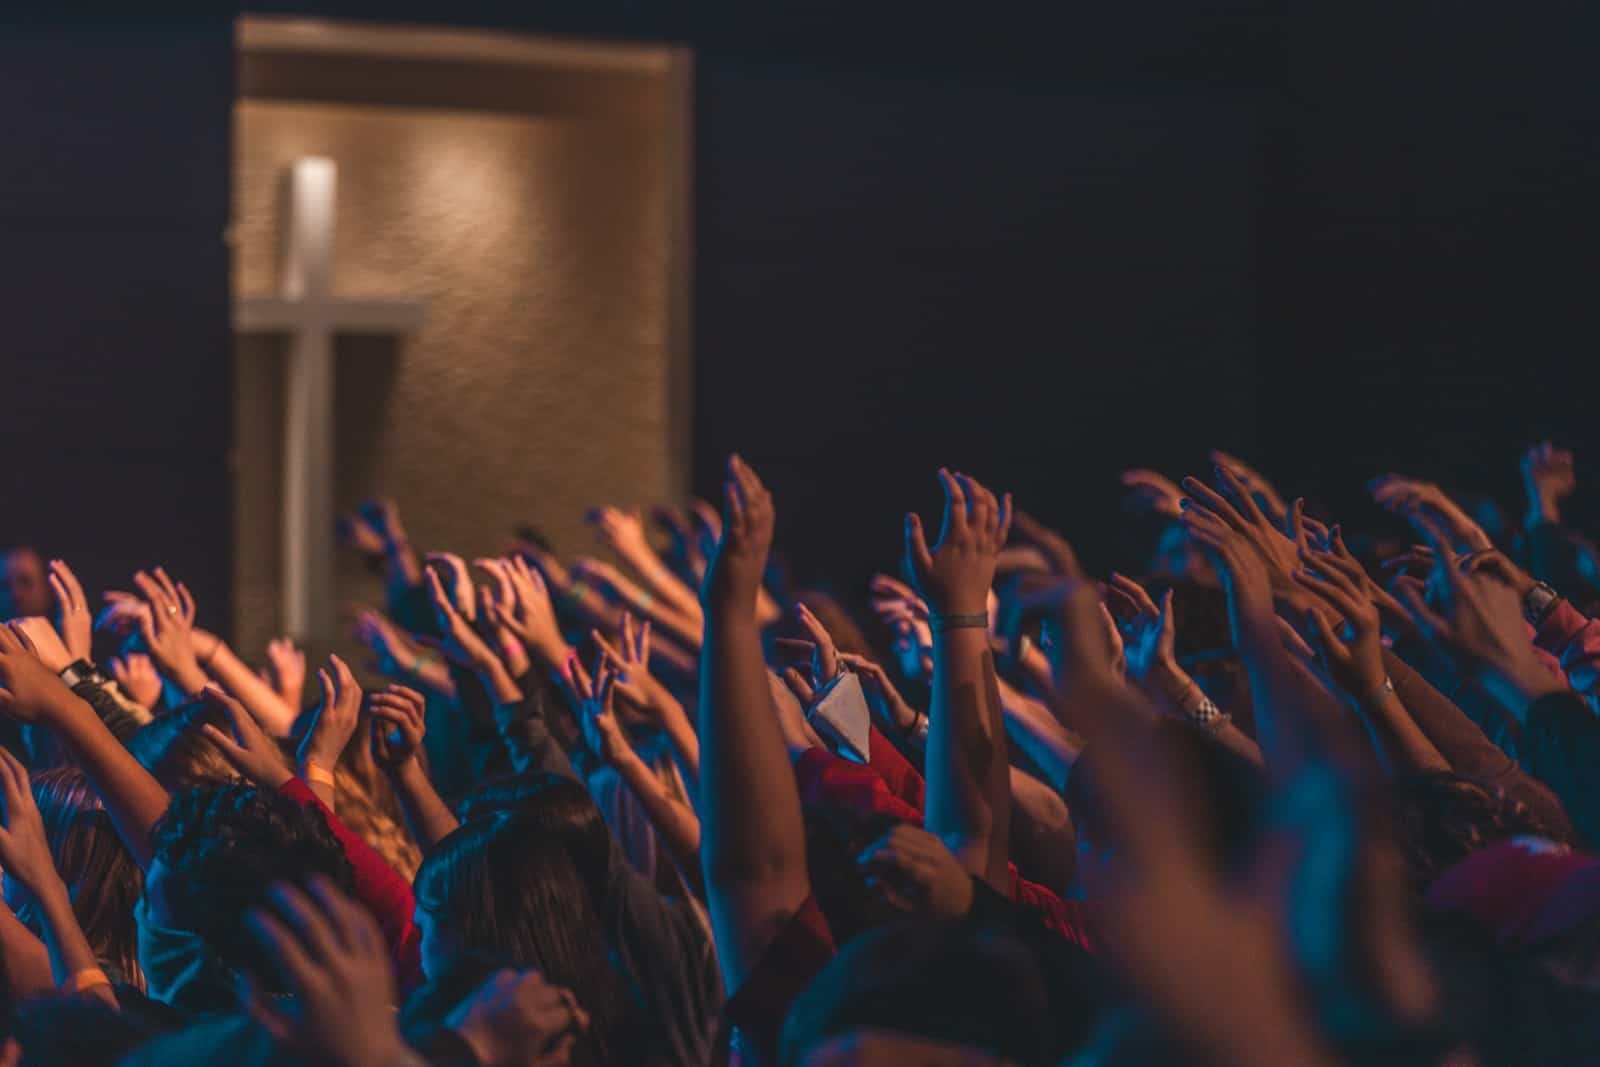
point(24, 584)
point(217, 851)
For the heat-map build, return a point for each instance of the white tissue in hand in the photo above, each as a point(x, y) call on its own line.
point(841, 716)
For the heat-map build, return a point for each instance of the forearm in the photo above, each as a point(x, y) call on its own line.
point(752, 813)
point(132, 797)
point(403, 569)
point(69, 950)
point(752, 847)
point(432, 674)
point(497, 679)
point(968, 784)
point(1052, 747)
point(1294, 713)
point(1401, 743)
point(428, 816)
point(665, 585)
point(674, 820)
point(24, 959)
point(260, 699)
point(684, 741)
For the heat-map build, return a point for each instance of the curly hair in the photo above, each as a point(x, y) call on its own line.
point(1441, 818)
point(222, 846)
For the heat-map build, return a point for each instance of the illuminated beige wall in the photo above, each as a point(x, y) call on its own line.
point(545, 251)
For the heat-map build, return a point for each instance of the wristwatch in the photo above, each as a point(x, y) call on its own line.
point(1537, 602)
point(80, 671)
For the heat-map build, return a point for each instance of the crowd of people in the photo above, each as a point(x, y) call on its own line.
point(1297, 796)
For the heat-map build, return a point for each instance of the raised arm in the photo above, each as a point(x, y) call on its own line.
point(332, 725)
point(753, 850)
point(132, 798)
point(630, 655)
point(1353, 657)
point(673, 819)
point(969, 787)
point(259, 696)
point(398, 727)
point(624, 532)
point(25, 853)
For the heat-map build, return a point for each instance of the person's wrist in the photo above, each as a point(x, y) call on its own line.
point(406, 771)
point(190, 679)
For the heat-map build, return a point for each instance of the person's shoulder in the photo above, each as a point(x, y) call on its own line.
point(223, 1041)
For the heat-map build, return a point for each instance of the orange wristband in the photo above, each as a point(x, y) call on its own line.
point(316, 772)
point(84, 980)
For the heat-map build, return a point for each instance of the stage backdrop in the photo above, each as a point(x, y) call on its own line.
point(539, 229)
point(114, 294)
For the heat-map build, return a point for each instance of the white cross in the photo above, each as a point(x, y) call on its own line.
point(311, 316)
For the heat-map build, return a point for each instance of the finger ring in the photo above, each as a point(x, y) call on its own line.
point(172, 611)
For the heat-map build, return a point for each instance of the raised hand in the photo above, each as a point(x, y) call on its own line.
point(820, 654)
point(601, 731)
point(1260, 490)
point(452, 570)
point(884, 700)
point(1549, 478)
point(1235, 507)
point(1352, 656)
point(461, 643)
point(1147, 632)
point(1245, 574)
point(24, 848)
point(72, 609)
point(332, 957)
point(954, 575)
point(137, 677)
point(360, 535)
point(31, 691)
point(630, 656)
point(244, 744)
point(740, 560)
point(288, 665)
point(520, 1020)
point(399, 723)
point(1152, 493)
point(915, 872)
point(521, 604)
point(47, 644)
point(1479, 622)
point(622, 530)
point(168, 630)
point(1405, 496)
point(491, 621)
point(335, 718)
point(392, 648)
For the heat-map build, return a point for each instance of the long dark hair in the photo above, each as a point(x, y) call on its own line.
point(101, 874)
point(508, 892)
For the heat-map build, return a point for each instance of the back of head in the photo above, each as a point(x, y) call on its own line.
point(553, 805)
point(1442, 818)
point(102, 876)
point(500, 891)
point(176, 753)
point(937, 982)
point(219, 848)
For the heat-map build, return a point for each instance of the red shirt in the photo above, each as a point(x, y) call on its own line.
point(379, 886)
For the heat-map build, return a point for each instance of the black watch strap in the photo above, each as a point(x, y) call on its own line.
point(80, 671)
point(1537, 603)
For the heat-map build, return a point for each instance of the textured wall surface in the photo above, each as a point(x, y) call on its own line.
point(541, 383)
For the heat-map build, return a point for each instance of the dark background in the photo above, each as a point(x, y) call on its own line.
point(1337, 238)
